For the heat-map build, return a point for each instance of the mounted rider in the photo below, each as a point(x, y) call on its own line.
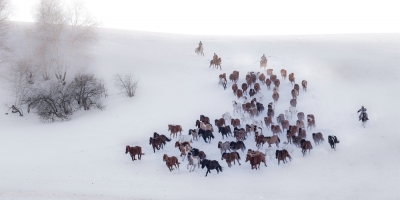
point(215, 58)
point(363, 111)
point(200, 44)
point(263, 59)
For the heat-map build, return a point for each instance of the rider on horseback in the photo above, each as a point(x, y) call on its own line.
point(362, 110)
point(200, 44)
point(263, 58)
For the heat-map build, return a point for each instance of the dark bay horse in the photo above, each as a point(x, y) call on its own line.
point(211, 164)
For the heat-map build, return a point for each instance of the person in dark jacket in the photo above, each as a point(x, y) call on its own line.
point(363, 111)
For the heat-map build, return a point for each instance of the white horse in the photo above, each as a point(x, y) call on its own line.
point(270, 151)
point(227, 117)
point(292, 111)
point(194, 133)
point(199, 50)
point(245, 117)
point(257, 122)
point(287, 114)
point(237, 107)
point(260, 96)
point(185, 138)
point(288, 147)
point(191, 162)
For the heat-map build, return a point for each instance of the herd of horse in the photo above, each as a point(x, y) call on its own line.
point(251, 89)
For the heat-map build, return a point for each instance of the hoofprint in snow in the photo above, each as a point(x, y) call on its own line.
point(85, 158)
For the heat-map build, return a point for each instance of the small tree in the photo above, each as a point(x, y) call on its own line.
point(87, 91)
point(126, 84)
point(51, 101)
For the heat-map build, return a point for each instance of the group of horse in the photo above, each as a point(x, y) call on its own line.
point(251, 89)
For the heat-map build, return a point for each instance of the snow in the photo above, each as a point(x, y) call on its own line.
point(84, 158)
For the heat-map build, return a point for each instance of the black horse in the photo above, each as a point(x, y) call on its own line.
point(197, 153)
point(225, 131)
point(206, 134)
point(211, 164)
point(162, 137)
point(332, 141)
point(364, 119)
point(237, 145)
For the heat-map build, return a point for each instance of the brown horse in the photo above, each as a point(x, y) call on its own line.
point(300, 116)
point(186, 145)
point(289, 136)
point(275, 96)
point(229, 157)
point(310, 123)
point(236, 73)
point(263, 63)
point(171, 161)
point(318, 137)
point(305, 145)
point(234, 88)
point(291, 78)
point(293, 102)
point(133, 151)
point(300, 123)
point(204, 119)
point(267, 121)
point(302, 133)
point(235, 123)
point(156, 143)
point(285, 125)
point(216, 63)
point(272, 139)
point(282, 155)
point(270, 112)
point(283, 73)
point(273, 78)
point(175, 129)
point(262, 78)
point(304, 84)
point(255, 160)
point(294, 94)
point(268, 83)
point(277, 82)
point(270, 72)
point(244, 88)
point(257, 87)
point(276, 129)
point(297, 87)
point(239, 93)
point(222, 76)
point(233, 78)
point(219, 122)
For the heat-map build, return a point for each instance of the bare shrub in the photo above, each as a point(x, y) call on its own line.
point(87, 91)
point(127, 85)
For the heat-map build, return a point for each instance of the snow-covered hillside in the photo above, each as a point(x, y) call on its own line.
point(85, 158)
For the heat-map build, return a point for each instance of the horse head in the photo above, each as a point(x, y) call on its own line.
point(223, 156)
point(150, 140)
point(127, 149)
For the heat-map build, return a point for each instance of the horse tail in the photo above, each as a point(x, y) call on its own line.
point(167, 139)
point(279, 141)
point(219, 167)
point(238, 155)
point(244, 147)
point(212, 135)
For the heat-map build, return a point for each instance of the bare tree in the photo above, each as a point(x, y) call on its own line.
point(5, 12)
point(126, 84)
point(64, 34)
point(52, 102)
point(87, 91)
